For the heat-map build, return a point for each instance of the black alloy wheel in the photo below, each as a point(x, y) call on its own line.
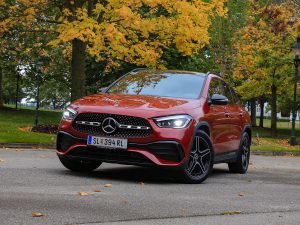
point(200, 159)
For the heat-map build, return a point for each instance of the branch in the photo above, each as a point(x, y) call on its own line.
point(48, 21)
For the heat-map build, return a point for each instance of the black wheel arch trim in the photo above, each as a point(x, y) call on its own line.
point(203, 124)
point(198, 128)
point(248, 126)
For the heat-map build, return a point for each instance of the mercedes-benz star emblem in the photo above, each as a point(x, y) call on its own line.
point(109, 125)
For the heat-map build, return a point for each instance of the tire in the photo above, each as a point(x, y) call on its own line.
point(200, 162)
point(79, 165)
point(242, 162)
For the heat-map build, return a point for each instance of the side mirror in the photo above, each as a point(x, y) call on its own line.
point(103, 90)
point(217, 99)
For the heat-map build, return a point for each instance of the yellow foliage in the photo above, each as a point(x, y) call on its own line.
point(124, 33)
point(137, 31)
point(22, 13)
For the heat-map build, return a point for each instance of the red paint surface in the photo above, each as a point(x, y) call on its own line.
point(225, 122)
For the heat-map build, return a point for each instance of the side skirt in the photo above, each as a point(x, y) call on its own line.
point(226, 157)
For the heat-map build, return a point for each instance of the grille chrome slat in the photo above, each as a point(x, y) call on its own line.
point(95, 124)
point(128, 126)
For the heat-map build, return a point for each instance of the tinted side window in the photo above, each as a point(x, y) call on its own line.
point(215, 88)
point(227, 92)
point(235, 97)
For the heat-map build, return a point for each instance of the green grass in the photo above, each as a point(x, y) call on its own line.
point(11, 120)
point(274, 145)
point(263, 141)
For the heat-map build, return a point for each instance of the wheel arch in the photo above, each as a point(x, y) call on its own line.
point(247, 129)
point(203, 126)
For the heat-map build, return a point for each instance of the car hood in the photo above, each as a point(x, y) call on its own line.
point(116, 103)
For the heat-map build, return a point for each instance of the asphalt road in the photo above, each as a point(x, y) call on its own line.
point(34, 181)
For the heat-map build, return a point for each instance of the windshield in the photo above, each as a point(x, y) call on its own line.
point(174, 85)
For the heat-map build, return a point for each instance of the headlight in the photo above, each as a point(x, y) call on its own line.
point(178, 121)
point(69, 114)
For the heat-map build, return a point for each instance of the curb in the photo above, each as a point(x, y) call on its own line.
point(27, 146)
point(46, 147)
point(267, 153)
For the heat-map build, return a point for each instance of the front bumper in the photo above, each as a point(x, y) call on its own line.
point(159, 153)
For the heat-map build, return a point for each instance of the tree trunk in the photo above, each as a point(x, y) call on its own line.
point(261, 117)
point(1, 89)
point(274, 111)
point(78, 62)
point(78, 69)
point(253, 112)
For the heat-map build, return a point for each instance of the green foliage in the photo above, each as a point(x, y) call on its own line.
point(218, 55)
point(263, 49)
point(101, 74)
point(221, 49)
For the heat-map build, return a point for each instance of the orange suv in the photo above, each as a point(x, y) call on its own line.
point(173, 119)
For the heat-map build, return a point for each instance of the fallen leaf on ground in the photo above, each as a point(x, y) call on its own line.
point(98, 191)
point(25, 129)
point(241, 194)
point(183, 211)
point(81, 193)
point(2, 160)
point(231, 213)
point(37, 214)
point(108, 185)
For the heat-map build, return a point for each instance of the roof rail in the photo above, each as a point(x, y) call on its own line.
point(137, 70)
point(211, 72)
point(133, 71)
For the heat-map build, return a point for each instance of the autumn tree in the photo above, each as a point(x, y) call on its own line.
point(23, 34)
point(264, 53)
point(26, 28)
point(223, 30)
point(218, 54)
point(135, 31)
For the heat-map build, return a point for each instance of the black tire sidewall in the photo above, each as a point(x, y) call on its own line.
point(187, 178)
point(245, 135)
point(237, 167)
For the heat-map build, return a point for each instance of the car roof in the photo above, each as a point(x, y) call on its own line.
point(170, 72)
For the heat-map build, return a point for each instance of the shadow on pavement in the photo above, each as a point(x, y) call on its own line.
point(136, 174)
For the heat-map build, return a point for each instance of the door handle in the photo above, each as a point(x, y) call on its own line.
point(241, 114)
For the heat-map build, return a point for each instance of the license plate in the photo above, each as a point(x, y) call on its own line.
point(106, 142)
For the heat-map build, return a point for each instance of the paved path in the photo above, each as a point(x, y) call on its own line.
point(34, 181)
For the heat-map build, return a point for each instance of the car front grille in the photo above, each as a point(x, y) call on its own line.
point(90, 123)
